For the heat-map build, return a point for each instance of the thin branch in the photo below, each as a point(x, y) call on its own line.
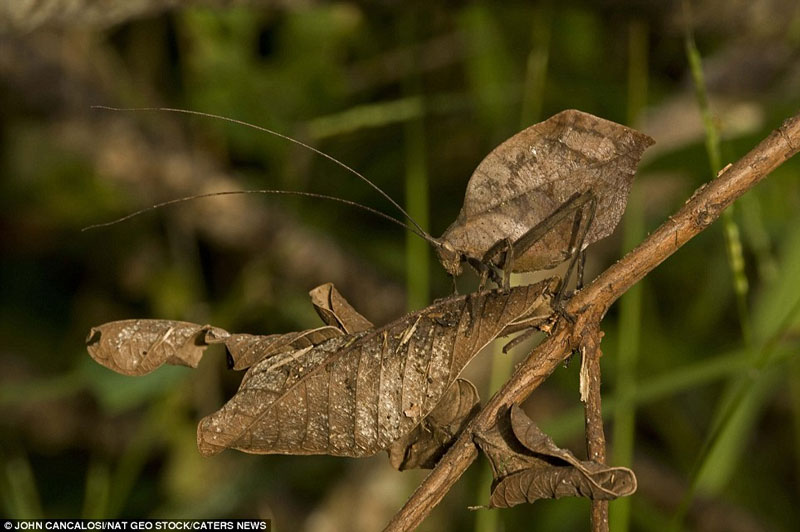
point(590, 305)
point(703, 208)
point(593, 415)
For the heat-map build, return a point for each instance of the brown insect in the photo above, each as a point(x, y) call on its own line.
point(543, 195)
point(535, 201)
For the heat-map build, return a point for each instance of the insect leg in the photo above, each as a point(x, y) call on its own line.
point(575, 202)
point(455, 285)
point(514, 342)
point(579, 232)
point(502, 248)
point(581, 264)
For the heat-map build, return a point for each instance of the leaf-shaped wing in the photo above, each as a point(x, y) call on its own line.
point(530, 175)
point(137, 347)
point(355, 395)
point(335, 311)
point(528, 465)
point(423, 446)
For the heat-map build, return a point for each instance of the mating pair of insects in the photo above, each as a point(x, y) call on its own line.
point(351, 389)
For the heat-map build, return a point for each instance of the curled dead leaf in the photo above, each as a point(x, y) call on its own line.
point(356, 394)
point(336, 311)
point(137, 347)
point(595, 482)
point(528, 466)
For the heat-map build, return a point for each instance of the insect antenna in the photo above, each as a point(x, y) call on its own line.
point(260, 191)
point(417, 229)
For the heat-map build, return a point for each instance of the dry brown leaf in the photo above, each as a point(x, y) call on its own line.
point(137, 347)
point(530, 175)
point(355, 395)
point(528, 466)
point(597, 482)
point(423, 446)
point(335, 311)
point(245, 350)
point(325, 391)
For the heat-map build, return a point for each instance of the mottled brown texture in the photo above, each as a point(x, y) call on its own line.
point(593, 415)
point(326, 391)
point(246, 350)
point(528, 466)
point(525, 179)
point(137, 347)
point(335, 310)
point(356, 394)
point(425, 445)
point(586, 310)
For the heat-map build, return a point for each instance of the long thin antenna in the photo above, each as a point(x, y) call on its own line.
point(419, 230)
point(262, 191)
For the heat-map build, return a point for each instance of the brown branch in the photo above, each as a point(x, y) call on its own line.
point(705, 206)
point(593, 415)
point(590, 305)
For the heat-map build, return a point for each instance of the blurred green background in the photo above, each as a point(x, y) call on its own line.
point(702, 388)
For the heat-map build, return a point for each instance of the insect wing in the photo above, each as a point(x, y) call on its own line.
point(530, 175)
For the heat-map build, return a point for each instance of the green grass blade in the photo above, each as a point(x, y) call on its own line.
point(536, 65)
point(97, 490)
point(733, 242)
point(777, 311)
point(758, 238)
point(365, 116)
point(675, 382)
point(20, 493)
point(723, 444)
point(631, 303)
point(489, 69)
point(417, 206)
point(739, 412)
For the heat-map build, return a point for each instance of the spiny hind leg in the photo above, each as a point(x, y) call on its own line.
point(514, 342)
point(583, 207)
point(580, 229)
point(575, 203)
point(484, 271)
point(487, 272)
point(507, 250)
